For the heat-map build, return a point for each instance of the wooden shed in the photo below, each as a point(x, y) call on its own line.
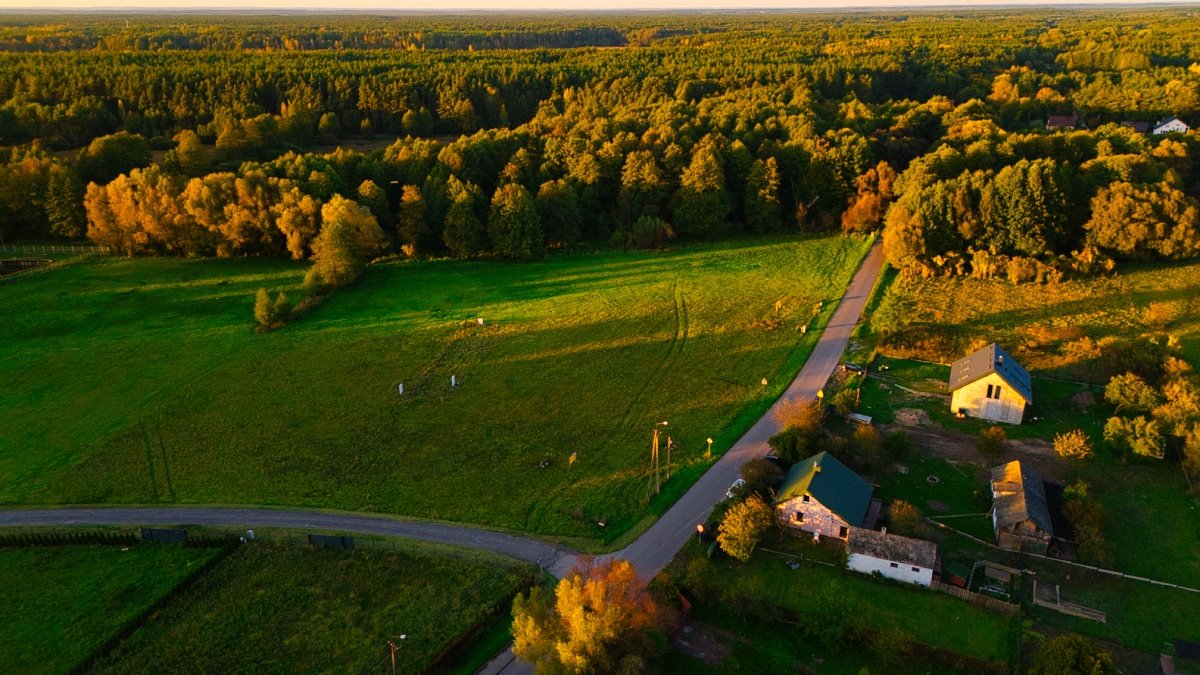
point(991, 385)
point(1020, 510)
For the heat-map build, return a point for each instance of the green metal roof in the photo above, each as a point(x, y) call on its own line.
point(830, 482)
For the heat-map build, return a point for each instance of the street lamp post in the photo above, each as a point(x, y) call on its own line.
point(708, 453)
point(700, 532)
point(394, 646)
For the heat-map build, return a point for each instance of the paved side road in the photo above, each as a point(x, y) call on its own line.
point(556, 559)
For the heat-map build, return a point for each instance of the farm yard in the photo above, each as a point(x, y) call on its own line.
point(1059, 332)
point(143, 381)
point(62, 602)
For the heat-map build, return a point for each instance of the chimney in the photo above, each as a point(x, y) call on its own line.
point(883, 531)
point(1000, 359)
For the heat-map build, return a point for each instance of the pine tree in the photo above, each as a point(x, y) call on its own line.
point(64, 204)
point(703, 203)
point(410, 221)
point(763, 212)
point(513, 223)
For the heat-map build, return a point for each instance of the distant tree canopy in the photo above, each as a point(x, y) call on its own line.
point(695, 129)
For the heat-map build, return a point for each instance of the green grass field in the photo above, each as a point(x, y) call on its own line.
point(62, 602)
point(279, 609)
point(143, 381)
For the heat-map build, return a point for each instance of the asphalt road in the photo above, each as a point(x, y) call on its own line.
point(650, 553)
point(558, 560)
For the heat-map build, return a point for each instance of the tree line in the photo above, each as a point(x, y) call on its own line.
point(701, 126)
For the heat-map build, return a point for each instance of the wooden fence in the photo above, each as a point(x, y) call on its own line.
point(1065, 607)
point(977, 598)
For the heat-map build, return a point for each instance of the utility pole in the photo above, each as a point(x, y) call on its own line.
point(654, 462)
point(670, 446)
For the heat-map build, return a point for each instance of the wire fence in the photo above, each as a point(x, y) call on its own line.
point(32, 249)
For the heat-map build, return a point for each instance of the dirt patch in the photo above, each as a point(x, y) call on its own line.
point(704, 642)
point(1083, 400)
point(959, 448)
point(912, 417)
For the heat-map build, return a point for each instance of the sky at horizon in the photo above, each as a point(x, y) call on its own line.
point(535, 5)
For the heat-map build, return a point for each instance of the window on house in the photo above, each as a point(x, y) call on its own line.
point(916, 569)
point(797, 517)
point(843, 532)
point(804, 499)
point(895, 565)
point(997, 396)
point(989, 394)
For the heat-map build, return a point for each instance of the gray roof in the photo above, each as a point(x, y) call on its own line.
point(892, 547)
point(832, 484)
point(1020, 495)
point(988, 360)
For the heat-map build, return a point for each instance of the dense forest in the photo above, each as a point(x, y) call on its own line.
point(508, 135)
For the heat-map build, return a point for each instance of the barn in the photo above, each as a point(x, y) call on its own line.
point(892, 556)
point(1020, 510)
point(991, 385)
point(822, 497)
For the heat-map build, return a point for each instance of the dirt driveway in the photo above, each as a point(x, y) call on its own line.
point(959, 448)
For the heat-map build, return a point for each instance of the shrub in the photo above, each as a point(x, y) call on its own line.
point(270, 314)
point(1130, 392)
point(905, 519)
point(1071, 655)
point(897, 444)
point(1073, 445)
point(760, 475)
point(651, 232)
point(845, 401)
point(991, 442)
point(743, 526)
point(1138, 436)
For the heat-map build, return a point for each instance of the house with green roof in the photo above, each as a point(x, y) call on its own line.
point(822, 497)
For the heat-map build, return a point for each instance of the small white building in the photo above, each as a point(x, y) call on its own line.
point(991, 385)
point(1171, 125)
point(894, 557)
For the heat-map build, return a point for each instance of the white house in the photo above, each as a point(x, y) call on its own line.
point(895, 557)
point(1171, 125)
point(991, 385)
point(822, 497)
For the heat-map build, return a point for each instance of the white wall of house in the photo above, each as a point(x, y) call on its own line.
point(1174, 126)
point(989, 398)
point(811, 516)
point(913, 574)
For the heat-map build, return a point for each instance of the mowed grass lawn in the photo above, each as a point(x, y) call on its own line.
point(60, 603)
point(280, 609)
point(143, 381)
